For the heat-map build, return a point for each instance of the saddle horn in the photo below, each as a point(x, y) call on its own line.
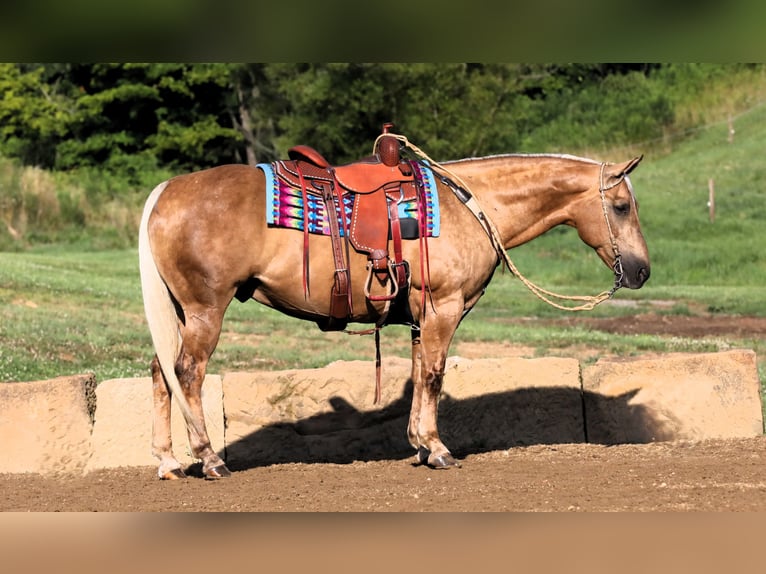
point(388, 147)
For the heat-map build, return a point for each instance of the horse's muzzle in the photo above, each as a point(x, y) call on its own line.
point(634, 273)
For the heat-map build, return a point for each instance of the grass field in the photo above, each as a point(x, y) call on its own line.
point(69, 311)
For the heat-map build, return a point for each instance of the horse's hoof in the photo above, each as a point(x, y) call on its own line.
point(175, 474)
point(443, 461)
point(422, 456)
point(217, 472)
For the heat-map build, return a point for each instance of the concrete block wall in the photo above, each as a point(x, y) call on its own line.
point(70, 424)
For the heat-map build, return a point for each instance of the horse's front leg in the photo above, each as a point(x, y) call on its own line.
point(429, 356)
point(417, 396)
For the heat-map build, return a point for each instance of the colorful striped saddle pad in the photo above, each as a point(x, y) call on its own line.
point(285, 203)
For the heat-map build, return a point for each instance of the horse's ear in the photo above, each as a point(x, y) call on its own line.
point(630, 165)
point(620, 170)
point(633, 163)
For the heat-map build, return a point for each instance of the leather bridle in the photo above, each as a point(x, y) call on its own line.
point(619, 273)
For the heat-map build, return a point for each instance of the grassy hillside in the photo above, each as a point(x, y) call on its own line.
point(722, 262)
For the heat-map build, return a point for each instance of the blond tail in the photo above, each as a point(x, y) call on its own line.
point(160, 312)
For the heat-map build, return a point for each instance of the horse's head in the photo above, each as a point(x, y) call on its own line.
point(608, 221)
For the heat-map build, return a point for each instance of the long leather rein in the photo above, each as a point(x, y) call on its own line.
point(463, 193)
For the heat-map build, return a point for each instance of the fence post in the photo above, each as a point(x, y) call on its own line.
point(711, 199)
point(731, 130)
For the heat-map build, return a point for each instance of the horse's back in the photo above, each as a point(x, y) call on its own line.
point(216, 197)
point(224, 184)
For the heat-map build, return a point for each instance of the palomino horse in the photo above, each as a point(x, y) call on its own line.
point(204, 237)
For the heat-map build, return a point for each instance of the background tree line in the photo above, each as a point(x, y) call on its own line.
point(130, 118)
point(82, 144)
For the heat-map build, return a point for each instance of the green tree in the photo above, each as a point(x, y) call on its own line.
point(253, 112)
point(34, 114)
point(129, 119)
point(446, 109)
point(132, 117)
point(450, 110)
point(336, 108)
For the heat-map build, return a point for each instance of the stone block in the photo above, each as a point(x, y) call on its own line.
point(493, 404)
point(311, 415)
point(122, 431)
point(46, 425)
point(673, 397)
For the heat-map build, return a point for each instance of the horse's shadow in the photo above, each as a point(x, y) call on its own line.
point(497, 421)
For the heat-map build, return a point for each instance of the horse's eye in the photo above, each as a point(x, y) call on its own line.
point(622, 208)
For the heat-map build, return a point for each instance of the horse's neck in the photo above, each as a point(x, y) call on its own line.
point(525, 196)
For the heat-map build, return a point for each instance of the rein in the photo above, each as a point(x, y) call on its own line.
point(463, 193)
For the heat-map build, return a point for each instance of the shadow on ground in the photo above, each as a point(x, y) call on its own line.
point(523, 417)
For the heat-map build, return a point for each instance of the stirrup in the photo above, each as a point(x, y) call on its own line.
point(392, 277)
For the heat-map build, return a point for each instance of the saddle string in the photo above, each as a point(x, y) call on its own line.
point(425, 262)
point(304, 198)
point(342, 208)
point(463, 193)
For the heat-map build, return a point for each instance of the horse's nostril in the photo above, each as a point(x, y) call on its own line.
point(643, 275)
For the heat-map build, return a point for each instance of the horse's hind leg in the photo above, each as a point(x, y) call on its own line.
point(200, 337)
point(162, 445)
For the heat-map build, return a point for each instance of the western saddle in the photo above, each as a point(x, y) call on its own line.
point(378, 184)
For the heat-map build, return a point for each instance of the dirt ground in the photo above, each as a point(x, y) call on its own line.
point(726, 475)
point(715, 475)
